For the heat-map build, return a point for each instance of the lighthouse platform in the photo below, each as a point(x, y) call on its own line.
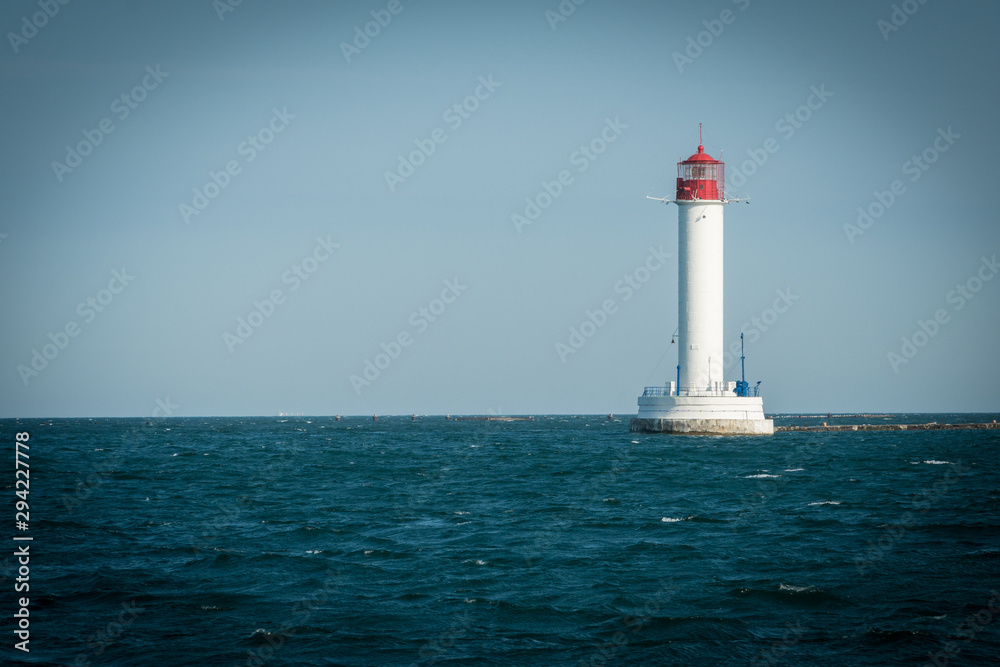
point(662, 410)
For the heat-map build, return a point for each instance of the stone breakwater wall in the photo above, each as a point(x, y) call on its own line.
point(933, 426)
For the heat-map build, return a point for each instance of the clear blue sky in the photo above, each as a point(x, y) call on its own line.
point(328, 122)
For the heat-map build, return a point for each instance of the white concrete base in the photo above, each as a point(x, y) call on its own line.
point(702, 415)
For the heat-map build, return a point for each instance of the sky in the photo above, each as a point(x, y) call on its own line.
point(440, 207)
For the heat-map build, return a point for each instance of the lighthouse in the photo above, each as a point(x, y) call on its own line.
point(698, 400)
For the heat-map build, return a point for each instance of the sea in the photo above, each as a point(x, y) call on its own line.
point(555, 540)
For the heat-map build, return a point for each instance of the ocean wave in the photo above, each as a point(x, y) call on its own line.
point(657, 629)
point(790, 594)
point(983, 553)
point(875, 635)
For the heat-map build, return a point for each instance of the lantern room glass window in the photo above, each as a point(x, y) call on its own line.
point(699, 171)
point(700, 180)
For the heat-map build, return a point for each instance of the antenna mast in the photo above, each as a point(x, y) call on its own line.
point(742, 388)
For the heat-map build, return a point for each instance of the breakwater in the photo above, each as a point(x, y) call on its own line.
point(932, 426)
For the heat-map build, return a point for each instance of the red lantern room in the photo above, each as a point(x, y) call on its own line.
point(701, 177)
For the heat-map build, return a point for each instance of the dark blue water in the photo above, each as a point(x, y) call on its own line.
point(557, 541)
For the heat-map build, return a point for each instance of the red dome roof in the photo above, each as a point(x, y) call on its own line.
point(701, 156)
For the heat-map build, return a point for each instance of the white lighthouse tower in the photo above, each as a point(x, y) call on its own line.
point(700, 401)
